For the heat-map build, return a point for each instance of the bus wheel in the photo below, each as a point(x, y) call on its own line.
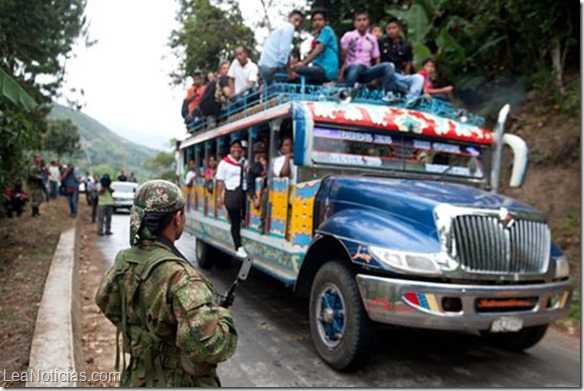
point(516, 341)
point(204, 254)
point(339, 325)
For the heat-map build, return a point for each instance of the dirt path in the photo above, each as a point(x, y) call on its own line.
point(99, 335)
point(27, 246)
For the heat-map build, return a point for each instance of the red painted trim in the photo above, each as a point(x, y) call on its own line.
point(396, 119)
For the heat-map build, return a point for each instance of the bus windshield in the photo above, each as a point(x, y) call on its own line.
point(374, 150)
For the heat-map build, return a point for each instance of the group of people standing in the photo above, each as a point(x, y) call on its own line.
point(362, 56)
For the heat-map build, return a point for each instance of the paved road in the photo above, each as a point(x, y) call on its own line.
point(275, 349)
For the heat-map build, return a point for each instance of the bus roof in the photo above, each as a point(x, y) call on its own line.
point(363, 115)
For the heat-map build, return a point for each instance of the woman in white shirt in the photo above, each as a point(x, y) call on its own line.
point(231, 187)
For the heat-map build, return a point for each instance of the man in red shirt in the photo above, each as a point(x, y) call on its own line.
point(191, 101)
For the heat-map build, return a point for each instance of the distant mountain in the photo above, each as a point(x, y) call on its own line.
point(104, 147)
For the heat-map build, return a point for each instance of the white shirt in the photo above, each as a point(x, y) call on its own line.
point(190, 175)
point(230, 174)
point(243, 75)
point(54, 174)
point(279, 164)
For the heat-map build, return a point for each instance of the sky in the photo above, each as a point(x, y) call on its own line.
point(125, 75)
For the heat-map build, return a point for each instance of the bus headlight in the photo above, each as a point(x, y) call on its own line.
point(417, 263)
point(562, 267)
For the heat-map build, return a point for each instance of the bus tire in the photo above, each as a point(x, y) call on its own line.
point(339, 326)
point(204, 254)
point(516, 341)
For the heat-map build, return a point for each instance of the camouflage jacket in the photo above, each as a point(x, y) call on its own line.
point(166, 313)
point(35, 177)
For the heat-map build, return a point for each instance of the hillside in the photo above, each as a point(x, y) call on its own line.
point(104, 147)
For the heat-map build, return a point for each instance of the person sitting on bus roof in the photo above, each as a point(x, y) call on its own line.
point(428, 72)
point(216, 93)
point(231, 188)
point(274, 57)
point(194, 95)
point(362, 61)
point(397, 51)
point(322, 63)
point(376, 31)
point(243, 74)
point(284, 166)
point(293, 77)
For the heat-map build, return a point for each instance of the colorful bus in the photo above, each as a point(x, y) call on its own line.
point(394, 218)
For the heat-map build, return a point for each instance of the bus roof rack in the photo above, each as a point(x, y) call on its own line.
point(279, 93)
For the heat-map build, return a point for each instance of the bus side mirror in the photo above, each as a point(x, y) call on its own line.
point(520, 157)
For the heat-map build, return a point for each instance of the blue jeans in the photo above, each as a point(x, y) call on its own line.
point(362, 74)
point(243, 99)
point(73, 199)
point(54, 193)
point(412, 83)
point(268, 74)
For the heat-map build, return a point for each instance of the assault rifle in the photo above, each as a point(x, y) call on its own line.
point(227, 300)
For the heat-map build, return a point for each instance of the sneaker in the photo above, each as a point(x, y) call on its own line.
point(241, 253)
point(390, 97)
point(109, 233)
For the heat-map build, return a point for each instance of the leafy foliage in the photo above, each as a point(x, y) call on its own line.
point(208, 34)
point(35, 40)
point(62, 138)
point(162, 165)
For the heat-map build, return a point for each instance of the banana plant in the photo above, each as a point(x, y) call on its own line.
point(11, 90)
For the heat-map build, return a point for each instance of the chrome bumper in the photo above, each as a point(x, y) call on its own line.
point(420, 304)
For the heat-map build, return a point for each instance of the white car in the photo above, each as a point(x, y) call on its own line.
point(123, 194)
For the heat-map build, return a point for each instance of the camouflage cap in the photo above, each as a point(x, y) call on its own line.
point(158, 196)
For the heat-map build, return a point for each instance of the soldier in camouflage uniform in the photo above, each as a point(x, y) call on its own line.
point(36, 187)
point(165, 310)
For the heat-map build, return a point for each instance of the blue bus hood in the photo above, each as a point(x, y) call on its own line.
point(398, 212)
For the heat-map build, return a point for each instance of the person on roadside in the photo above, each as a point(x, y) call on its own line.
point(132, 178)
point(322, 63)
point(92, 194)
point(276, 50)
point(122, 177)
point(105, 208)
point(54, 180)
point(35, 185)
point(16, 199)
point(362, 62)
point(71, 182)
point(231, 189)
point(163, 308)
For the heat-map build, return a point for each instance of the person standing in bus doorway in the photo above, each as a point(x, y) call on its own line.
point(284, 166)
point(231, 188)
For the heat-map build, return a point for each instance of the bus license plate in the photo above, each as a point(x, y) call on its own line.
point(506, 323)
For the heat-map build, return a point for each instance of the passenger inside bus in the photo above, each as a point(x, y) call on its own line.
point(258, 169)
point(284, 166)
point(210, 169)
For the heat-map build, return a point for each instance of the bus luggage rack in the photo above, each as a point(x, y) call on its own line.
point(279, 93)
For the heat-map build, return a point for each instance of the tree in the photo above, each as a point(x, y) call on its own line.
point(35, 40)
point(208, 34)
point(162, 165)
point(62, 138)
